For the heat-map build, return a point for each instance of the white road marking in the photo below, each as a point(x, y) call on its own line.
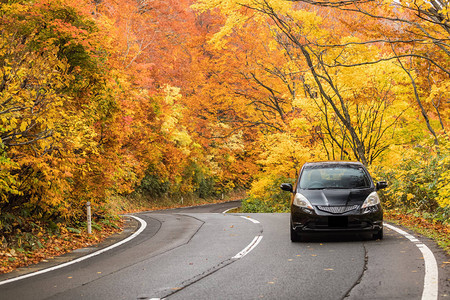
point(431, 283)
point(141, 228)
point(250, 219)
point(230, 209)
point(249, 248)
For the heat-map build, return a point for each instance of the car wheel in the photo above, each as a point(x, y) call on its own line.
point(378, 235)
point(295, 237)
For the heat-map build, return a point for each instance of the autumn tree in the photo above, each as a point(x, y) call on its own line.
point(40, 106)
point(302, 68)
point(72, 125)
point(417, 34)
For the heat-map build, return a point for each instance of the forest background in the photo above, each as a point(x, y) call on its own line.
point(162, 102)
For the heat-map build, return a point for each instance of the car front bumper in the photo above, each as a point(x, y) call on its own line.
point(308, 221)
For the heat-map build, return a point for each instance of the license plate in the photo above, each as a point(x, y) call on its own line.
point(338, 222)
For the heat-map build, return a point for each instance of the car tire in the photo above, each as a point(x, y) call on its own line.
point(378, 235)
point(295, 237)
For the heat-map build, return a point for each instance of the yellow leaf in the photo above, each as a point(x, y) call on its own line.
point(23, 126)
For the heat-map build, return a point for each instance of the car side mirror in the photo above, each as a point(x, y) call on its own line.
point(381, 185)
point(287, 187)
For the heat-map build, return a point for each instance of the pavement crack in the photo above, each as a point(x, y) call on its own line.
point(197, 278)
point(163, 294)
point(358, 281)
point(150, 256)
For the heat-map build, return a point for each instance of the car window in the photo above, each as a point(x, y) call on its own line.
point(329, 177)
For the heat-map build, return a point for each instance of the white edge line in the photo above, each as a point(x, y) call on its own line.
point(431, 283)
point(249, 248)
point(141, 228)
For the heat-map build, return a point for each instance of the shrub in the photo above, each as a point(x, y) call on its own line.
point(267, 197)
point(419, 182)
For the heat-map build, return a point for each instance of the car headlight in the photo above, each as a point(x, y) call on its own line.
point(301, 201)
point(371, 202)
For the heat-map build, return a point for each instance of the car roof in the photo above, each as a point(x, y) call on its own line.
point(327, 163)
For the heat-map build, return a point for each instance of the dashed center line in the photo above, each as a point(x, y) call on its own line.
point(249, 248)
point(250, 219)
point(230, 209)
point(253, 243)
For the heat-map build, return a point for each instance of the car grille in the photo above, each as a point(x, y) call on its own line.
point(338, 209)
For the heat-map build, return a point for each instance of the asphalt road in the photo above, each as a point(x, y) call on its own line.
point(201, 253)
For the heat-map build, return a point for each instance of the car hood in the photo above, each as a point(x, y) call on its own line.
point(336, 197)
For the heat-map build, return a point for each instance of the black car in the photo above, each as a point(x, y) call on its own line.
point(335, 196)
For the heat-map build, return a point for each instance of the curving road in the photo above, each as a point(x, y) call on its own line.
point(201, 253)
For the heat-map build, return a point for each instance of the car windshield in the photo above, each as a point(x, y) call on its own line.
point(334, 177)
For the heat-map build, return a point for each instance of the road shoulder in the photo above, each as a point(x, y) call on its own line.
point(130, 226)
